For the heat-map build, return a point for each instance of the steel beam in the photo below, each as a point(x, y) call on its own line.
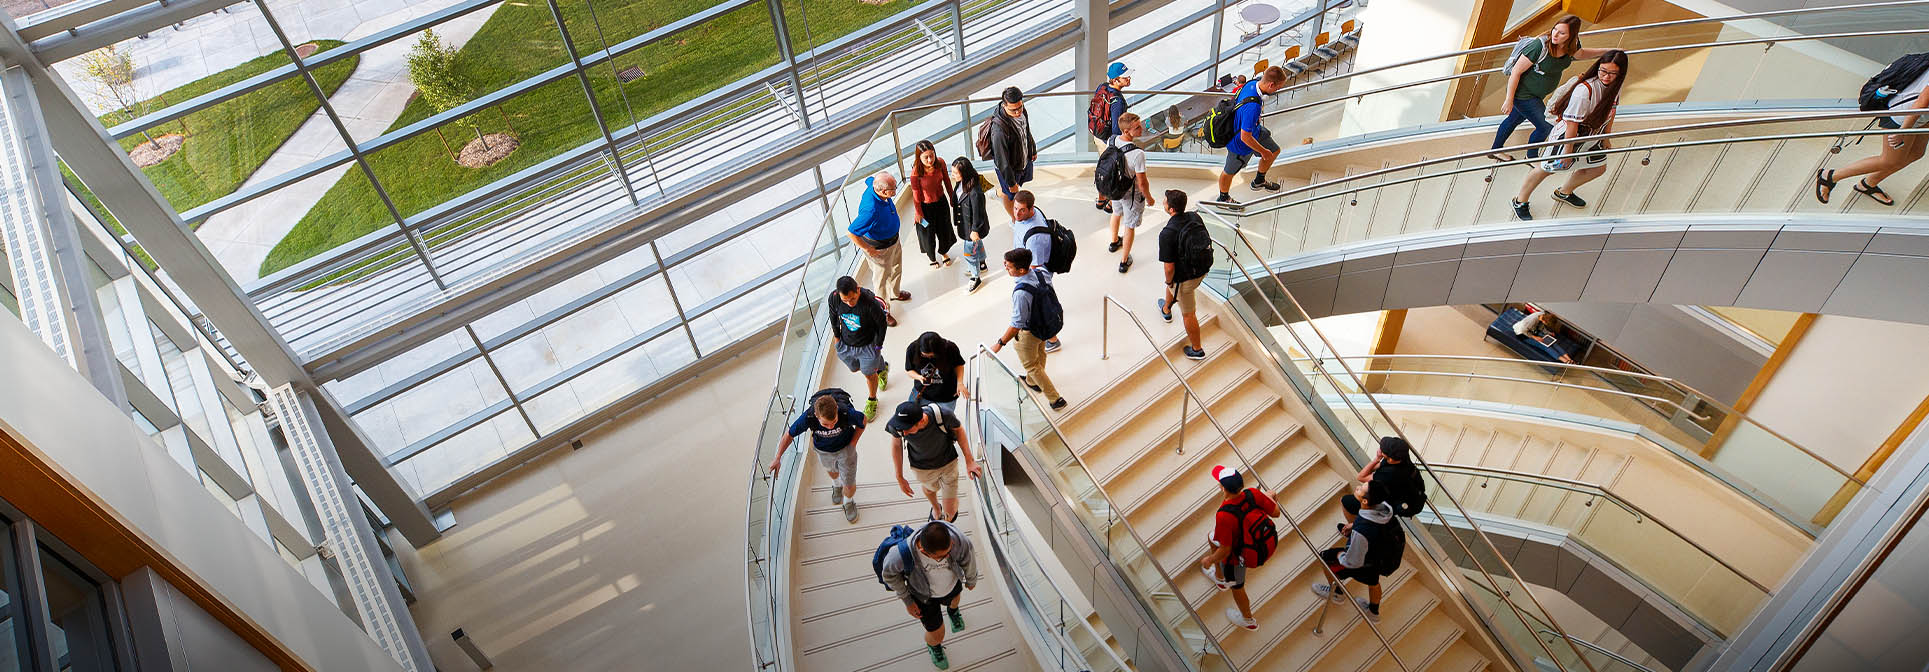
point(1090, 57)
point(121, 27)
point(80, 140)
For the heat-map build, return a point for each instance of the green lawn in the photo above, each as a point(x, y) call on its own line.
point(519, 41)
point(227, 142)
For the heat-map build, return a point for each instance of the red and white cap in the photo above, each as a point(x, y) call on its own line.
point(1228, 478)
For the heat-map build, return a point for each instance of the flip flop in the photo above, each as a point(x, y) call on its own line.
point(1874, 193)
point(1824, 184)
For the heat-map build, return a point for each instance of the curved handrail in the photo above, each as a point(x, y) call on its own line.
point(1596, 490)
point(1599, 649)
point(1607, 31)
point(1418, 459)
point(1164, 576)
point(1311, 547)
point(1674, 47)
point(1317, 364)
point(986, 491)
point(1246, 209)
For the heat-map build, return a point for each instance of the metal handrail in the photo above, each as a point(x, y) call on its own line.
point(1049, 94)
point(1245, 208)
point(1485, 376)
point(1164, 576)
point(1502, 68)
point(1418, 459)
point(1596, 490)
point(986, 491)
point(1104, 345)
point(1606, 31)
point(1598, 649)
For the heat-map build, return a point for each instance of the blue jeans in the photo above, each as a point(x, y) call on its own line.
point(974, 254)
point(1530, 110)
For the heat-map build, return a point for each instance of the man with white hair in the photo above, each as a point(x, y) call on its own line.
point(875, 231)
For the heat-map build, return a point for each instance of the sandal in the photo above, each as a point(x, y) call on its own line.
point(1501, 156)
point(1874, 193)
point(1824, 184)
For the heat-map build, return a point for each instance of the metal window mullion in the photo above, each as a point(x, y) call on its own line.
point(321, 96)
point(32, 594)
point(1218, 27)
point(957, 30)
point(589, 94)
point(514, 401)
point(676, 302)
point(781, 28)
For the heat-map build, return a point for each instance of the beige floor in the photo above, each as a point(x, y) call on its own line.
point(622, 555)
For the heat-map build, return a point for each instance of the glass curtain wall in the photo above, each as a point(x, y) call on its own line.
point(54, 612)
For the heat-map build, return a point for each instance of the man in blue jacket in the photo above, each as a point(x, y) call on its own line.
point(875, 231)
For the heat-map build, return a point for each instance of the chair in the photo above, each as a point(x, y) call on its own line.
point(1350, 32)
point(1323, 45)
point(1291, 61)
point(1261, 66)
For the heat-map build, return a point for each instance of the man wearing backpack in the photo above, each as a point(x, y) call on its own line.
point(933, 576)
point(1102, 117)
point(1007, 136)
point(834, 427)
point(858, 319)
point(1036, 316)
point(1393, 468)
point(933, 438)
point(1031, 231)
point(1374, 546)
point(1185, 248)
point(1249, 136)
point(1121, 167)
point(1243, 537)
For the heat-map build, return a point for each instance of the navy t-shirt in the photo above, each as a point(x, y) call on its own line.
point(829, 439)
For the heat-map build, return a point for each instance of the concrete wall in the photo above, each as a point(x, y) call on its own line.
point(1669, 342)
point(1847, 386)
point(101, 452)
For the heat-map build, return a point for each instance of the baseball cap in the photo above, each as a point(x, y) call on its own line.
point(906, 416)
point(1228, 478)
point(1117, 70)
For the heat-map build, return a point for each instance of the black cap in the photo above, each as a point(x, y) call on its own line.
point(906, 416)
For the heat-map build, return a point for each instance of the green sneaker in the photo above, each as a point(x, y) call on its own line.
point(957, 619)
point(937, 657)
point(884, 378)
point(870, 410)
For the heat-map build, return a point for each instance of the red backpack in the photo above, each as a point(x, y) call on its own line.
point(1257, 536)
point(1098, 115)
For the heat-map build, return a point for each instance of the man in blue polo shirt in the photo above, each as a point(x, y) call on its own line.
point(1252, 137)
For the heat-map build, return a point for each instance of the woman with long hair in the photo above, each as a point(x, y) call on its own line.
point(1533, 75)
point(1587, 108)
point(931, 195)
point(973, 223)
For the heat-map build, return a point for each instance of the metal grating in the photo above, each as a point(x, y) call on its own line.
point(30, 255)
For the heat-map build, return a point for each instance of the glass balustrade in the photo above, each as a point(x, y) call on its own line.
point(1783, 476)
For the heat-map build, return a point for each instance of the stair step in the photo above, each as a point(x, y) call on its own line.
point(1147, 374)
point(1298, 646)
point(1422, 645)
point(1256, 435)
point(863, 634)
point(1360, 649)
point(1112, 449)
point(1185, 539)
point(1460, 656)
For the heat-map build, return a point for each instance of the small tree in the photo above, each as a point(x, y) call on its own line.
point(433, 71)
point(112, 74)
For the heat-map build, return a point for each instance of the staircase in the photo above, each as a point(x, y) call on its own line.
point(1129, 438)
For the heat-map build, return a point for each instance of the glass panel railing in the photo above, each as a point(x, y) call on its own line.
point(1717, 595)
point(1000, 397)
point(1357, 427)
point(1598, 658)
point(1784, 477)
point(1065, 640)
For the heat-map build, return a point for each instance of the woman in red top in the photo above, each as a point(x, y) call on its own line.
point(931, 191)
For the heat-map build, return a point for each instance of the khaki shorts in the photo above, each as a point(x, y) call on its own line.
point(942, 480)
point(1183, 295)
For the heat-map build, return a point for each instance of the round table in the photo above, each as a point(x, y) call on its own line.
point(1259, 13)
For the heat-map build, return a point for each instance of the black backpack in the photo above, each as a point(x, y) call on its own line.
point(843, 399)
point(1114, 177)
point(1195, 250)
point(1386, 544)
point(1064, 246)
point(1886, 85)
point(1047, 316)
point(1406, 493)
point(1221, 123)
point(900, 539)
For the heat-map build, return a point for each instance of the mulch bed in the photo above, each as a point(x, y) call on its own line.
point(478, 155)
point(153, 153)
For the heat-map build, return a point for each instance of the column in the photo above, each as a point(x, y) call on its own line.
point(1091, 55)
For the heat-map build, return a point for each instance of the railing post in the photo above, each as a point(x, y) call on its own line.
point(897, 148)
point(957, 35)
point(1320, 623)
point(1104, 330)
point(1183, 398)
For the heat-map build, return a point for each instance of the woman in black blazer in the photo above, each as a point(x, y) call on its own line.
point(970, 219)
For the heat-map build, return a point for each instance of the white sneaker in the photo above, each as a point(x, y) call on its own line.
point(1326, 592)
point(1367, 608)
point(1239, 619)
point(1216, 582)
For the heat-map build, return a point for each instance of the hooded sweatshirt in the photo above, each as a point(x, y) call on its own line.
point(1356, 543)
point(861, 325)
point(906, 576)
point(877, 217)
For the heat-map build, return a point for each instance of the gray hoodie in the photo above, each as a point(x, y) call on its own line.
point(1356, 543)
point(911, 584)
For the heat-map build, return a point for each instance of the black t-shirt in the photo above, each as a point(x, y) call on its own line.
point(939, 370)
point(934, 446)
point(1172, 244)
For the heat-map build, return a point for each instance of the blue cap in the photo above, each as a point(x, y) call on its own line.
point(1117, 70)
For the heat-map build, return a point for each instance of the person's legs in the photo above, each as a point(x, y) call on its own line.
point(928, 482)
point(1900, 152)
point(889, 286)
point(932, 619)
point(1536, 113)
point(1116, 216)
point(1265, 162)
point(1189, 308)
point(1244, 603)
point(1580, 177)
point(1507, 125)
point(948, 491)
point(1131, 211)
point(1528, 183)
point(1031, 355)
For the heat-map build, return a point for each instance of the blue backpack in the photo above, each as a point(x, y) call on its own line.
point(899, 538)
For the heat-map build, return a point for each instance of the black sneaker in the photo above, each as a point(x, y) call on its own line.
point(1027, 382)
point(1225, 198)
point(1102, 204)
point(1260, 183)
point(1125, 265)
point(1116, 244)
point(1193, 353)
point(1520, 211)
point(1059, 405)
point(1570, 199)
point(975, 284)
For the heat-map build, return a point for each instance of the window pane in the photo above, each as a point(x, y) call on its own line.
point(12, 628)
point(478, 447)
point(76, 617)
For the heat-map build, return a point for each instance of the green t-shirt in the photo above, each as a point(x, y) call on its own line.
point(1544, 75)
